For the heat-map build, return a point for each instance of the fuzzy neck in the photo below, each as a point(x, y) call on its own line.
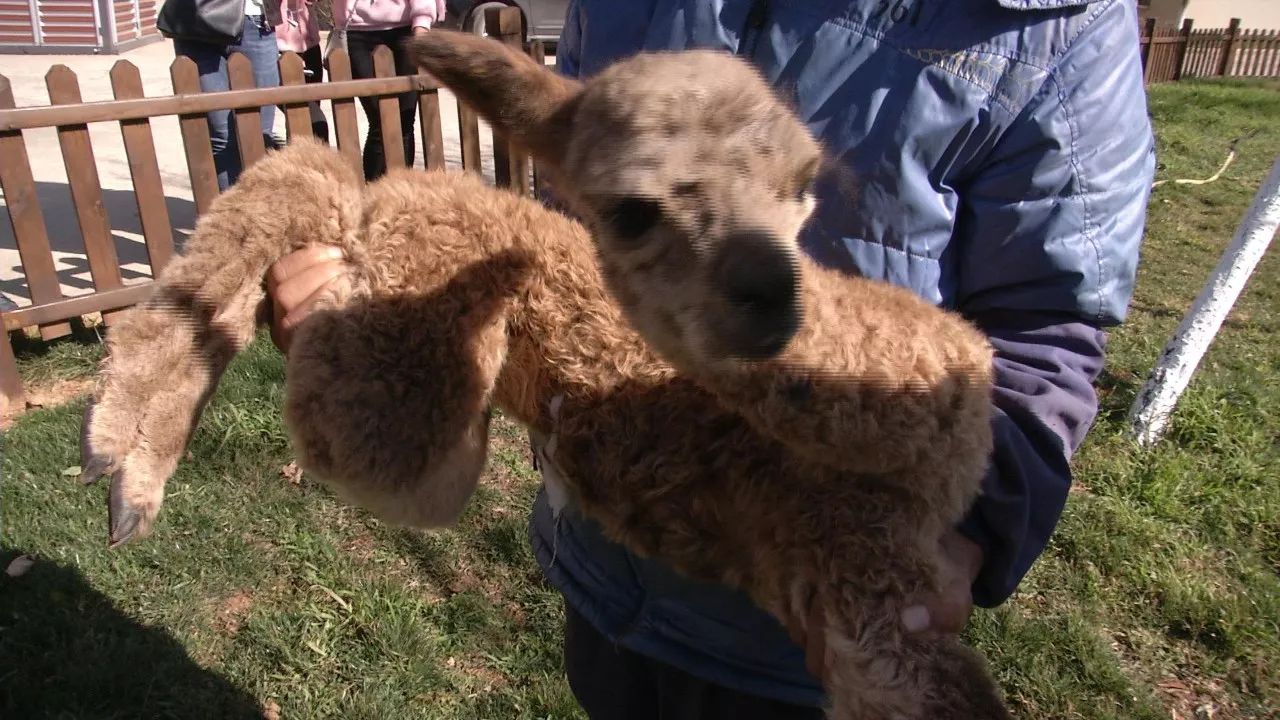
point(566, 335)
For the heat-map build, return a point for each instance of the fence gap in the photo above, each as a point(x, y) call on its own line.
point(1275, 54)
point(1268, 44)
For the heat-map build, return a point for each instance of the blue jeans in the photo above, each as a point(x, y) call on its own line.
point(258, 44)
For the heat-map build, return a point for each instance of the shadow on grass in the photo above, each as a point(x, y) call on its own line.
point(1116, 390)
point(67, 651)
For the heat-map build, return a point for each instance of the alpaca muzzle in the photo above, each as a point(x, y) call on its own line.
point(759, 284)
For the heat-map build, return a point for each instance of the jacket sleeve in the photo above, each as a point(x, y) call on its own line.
point(1049, 228)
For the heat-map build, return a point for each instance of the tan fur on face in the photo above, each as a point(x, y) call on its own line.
point(826, 472)
point(697, 135)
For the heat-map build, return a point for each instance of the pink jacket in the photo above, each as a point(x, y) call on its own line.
point(298, 30)
point(386, 14)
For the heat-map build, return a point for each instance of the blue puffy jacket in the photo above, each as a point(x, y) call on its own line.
point(1002, 157)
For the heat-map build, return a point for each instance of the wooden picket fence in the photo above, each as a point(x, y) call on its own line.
point(1171, 54)
point(50, 311)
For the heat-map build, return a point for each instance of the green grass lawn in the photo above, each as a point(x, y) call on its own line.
point(1159, 597)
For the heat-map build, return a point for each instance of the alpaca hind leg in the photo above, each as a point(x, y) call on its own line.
point(388, 403)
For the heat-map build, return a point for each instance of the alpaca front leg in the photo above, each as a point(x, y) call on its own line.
point(943, 681)
point(388, 403)
point(876, 381)
point(873, 667)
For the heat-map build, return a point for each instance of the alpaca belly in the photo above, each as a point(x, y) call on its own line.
point(662, 487)
point(670, 474)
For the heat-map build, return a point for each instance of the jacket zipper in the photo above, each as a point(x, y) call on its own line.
point(756, 17)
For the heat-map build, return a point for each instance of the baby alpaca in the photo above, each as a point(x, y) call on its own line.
point(837, 426)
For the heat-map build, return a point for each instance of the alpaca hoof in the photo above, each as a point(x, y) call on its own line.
point(94, 468)
point(123, 518)
point(137, 467)
point(93, 465)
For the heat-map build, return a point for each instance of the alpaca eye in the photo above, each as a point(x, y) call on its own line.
point(796, 192)
point(806, 179)
point(632, 217)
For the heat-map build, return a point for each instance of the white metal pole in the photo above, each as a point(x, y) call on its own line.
point(1154, 405)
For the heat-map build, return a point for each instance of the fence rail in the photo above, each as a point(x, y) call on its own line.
point(1171, 54)
point(50, 310)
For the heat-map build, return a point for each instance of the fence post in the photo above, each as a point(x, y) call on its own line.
point(1149, 40)
point(1184, 42)
point(1155, 404)
point(27, 219)
point(148, 188)
point(510, 166)
point(86, 188)
point(12, 398)
point(297, 116)
point(1268, 57)
point(538, 51)
point(1229, 47)
point(346, 130)
point(384, 66)
point(195, 136)
point(248, 121)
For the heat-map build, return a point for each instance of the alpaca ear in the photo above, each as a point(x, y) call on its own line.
point(528, 103)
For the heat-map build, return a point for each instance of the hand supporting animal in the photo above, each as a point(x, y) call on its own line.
point(837, 427)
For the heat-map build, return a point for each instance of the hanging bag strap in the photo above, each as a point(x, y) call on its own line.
point(338, 36)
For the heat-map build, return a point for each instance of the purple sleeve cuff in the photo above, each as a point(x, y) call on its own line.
point(1044, 404)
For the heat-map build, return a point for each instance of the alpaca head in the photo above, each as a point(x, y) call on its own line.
point(691, 174)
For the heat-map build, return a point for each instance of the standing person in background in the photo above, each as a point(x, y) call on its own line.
point(370, 23)
point(257, 42)
point(299, 32)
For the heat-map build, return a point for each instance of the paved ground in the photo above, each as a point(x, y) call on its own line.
point(26, 72)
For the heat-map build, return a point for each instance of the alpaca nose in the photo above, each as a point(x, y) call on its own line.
point(758, 279)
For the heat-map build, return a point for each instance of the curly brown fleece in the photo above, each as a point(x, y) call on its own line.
point(824, 473)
